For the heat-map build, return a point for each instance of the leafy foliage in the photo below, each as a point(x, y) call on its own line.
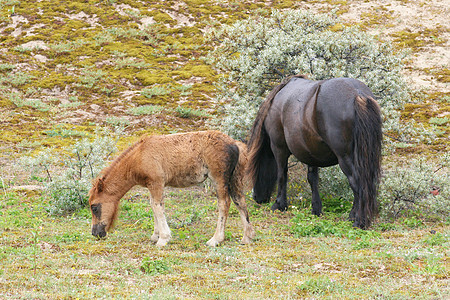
point(258, 52)
point(306, 224)
point(69, 173)
point(154, 267)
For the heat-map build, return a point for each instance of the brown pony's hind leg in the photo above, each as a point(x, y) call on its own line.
point(223, 203)
point(161, 227)
point(249, 232)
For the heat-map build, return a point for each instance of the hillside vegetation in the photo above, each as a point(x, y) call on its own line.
point(70, 68)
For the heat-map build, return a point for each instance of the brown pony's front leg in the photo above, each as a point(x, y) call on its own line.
point(162, 230)
point(155, 235)
point(224, 206)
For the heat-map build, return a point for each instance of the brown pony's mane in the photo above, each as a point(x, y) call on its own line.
point(98, 183)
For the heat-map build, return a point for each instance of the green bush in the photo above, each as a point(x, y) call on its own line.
point(304, 224)
point(258, 52)
point(154, 267)
point(69, 172)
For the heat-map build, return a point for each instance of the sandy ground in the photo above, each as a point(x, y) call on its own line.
point(387, 17)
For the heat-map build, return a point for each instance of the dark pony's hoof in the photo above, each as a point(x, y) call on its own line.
point(261, 200)
point(277, 206)
point(357, 224)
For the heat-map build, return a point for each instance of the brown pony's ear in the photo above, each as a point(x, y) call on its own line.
point(100, 185)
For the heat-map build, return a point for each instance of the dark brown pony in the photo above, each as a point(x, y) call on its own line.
point(322, 123)
point(178, 160)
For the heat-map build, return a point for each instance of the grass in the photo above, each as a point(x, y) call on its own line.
point(44, 256)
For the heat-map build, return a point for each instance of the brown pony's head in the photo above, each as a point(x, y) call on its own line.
point(103, 207)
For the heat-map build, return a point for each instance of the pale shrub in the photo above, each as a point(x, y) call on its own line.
point(69, 172)
point(255, 54)
point(420, 187)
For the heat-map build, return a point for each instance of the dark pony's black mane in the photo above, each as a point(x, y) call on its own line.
point(265, 106)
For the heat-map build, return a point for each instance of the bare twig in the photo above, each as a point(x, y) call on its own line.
point(3, 186)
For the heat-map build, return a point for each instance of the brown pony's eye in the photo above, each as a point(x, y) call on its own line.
point(96, 210)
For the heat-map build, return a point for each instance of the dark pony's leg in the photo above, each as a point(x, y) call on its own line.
point(313, 179)
point(347, 166)
point(281, 157)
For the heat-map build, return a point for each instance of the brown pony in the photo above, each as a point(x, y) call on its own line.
point(177, 160)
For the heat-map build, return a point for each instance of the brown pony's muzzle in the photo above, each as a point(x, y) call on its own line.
point(99, 230)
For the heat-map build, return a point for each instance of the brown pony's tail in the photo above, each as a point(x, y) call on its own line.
point(367, 137)
point(262, 167)
point(239, 179)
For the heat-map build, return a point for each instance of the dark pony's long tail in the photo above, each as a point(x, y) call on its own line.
point(262, 168)
point(367, 137)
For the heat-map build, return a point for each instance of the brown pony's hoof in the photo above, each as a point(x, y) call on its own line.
point(161, 243)
point(154, 238)
point(213, 242)
point(246, 240)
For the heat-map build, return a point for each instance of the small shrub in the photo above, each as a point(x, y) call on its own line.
point(16, 79)
point(421, 188)
point(145, 110)
point(131, 62)
point(439, 121)
point(184, 89)
point(7, 67)
point(103, 38)
point(91, 77)
point(319, 286)
point(117, 121)
point(70, 172)
point(63, 48)
point(62, 131)
point(187, 112)
point(155, 91)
